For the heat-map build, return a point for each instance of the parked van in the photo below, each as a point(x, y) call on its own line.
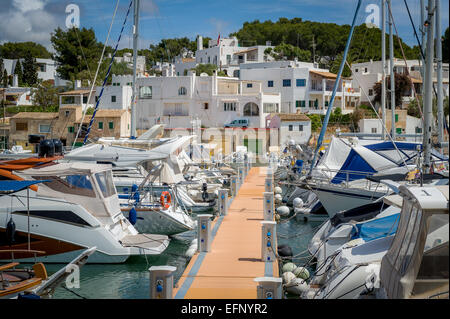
point(239, 123)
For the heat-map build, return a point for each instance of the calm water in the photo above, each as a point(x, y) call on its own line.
point(131, 279)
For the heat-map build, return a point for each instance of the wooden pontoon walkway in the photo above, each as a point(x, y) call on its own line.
point(228, 270)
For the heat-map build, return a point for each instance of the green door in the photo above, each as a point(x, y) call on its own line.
point(253, 145)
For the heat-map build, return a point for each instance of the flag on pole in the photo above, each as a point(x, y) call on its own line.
point(218, 40)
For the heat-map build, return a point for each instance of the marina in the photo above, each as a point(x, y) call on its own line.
point(228, 185)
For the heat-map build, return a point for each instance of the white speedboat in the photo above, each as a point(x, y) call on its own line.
point(411, 263)
point(77, 208)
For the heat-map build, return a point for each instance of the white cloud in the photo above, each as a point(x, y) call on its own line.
point(29, 20)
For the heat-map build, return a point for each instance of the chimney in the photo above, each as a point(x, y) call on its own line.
point(199, 43)
point(15, 82)
point(77, 84)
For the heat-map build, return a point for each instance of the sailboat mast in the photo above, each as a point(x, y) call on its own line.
point(383, 59)
point(135, 53)
point(440, 103)
point(428, 88)
point(392, 73)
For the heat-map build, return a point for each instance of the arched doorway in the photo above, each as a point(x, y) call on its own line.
point(251, 109)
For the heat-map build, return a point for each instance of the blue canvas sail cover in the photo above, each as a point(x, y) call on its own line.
point(377, 228)
point(354, 163)
point(375, 156)
point(9, 187)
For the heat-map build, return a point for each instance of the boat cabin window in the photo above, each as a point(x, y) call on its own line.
point(105, 182)
point(71, 184)
point(406, 237)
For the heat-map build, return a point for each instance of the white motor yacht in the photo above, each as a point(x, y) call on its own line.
point(77, 208)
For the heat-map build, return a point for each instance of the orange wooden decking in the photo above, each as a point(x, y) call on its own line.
point(228, 270)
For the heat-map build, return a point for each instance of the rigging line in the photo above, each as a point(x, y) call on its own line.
point(383, 124)
point(106, 77)
point(406, 64)
point(96, 73)
point(414, 28)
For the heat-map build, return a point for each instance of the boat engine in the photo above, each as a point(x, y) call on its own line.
point(205, 195)
point(10, 232)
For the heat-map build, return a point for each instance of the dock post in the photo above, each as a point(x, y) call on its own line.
point(204, 232)
point(241, 173)
point(269, 206)
point(269, 185)
point(161, 282)
point(222, 201)
point(233, 186)
point(269, 287)
point(269, 241)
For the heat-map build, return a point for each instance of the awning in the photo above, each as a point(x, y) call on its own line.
point(9, 187)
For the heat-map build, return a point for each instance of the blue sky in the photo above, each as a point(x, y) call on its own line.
point(33, 20)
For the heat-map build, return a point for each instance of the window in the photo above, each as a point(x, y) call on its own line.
point(374, 130)
point(71, 129)
point(356, 70)
point(209, 59)
point(111, 125)
point(228, 58)
point(301, 82)
point(287, 83)
point(21, 126)
point(182, 91)
point(68, 100)
point(399, 130)
point(79, 185)
point(206, 106)
point(366, 70)
point(229, 106)
point(44, 128)
point(418, 130)
point(396, 118)
point(100, 125)
point(327, 103)
point(85, 99)
point(145, 92)
point(96, 99)
point(270, 84)
point(67, 113)
point(370, 92)
point(270, 107)
point(249, 85)
point(300, 103)
point(251, 109)
point(300, 128)
point(113, 99)
point(291, 128)
point(42, 68)
point(105, 182)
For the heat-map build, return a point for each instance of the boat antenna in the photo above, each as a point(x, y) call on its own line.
point(96, 73)
point(135, 53)
point(336, 84)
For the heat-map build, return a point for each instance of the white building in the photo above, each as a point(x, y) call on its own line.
point(302, 86)
point(226, 54)
point(367, 74)
point(295, 127)
point(18, 96)
point(216, 101)
point(46, 70)
point(128, 59)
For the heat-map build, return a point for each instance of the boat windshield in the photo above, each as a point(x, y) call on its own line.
point(105, 182)
point(71, 184)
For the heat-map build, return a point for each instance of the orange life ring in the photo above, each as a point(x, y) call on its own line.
point(165, 199)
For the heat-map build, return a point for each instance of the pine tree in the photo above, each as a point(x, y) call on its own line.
point(18, 72)
point(1, 72)
point(5, 79)
point(30, 74)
